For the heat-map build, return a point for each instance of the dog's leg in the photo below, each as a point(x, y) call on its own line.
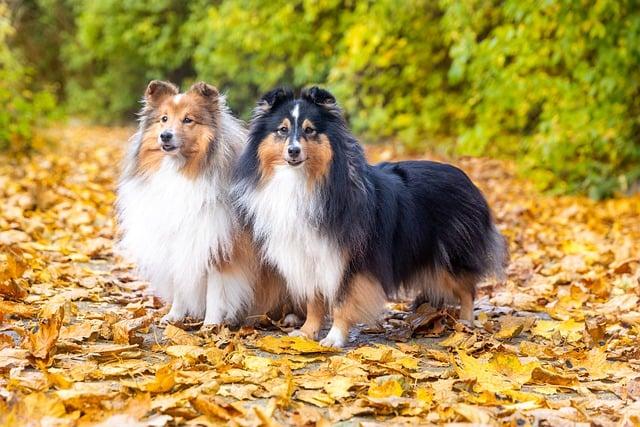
point(364, 302)
point(216, 307)
point(238, 291)
point(464, 288)
point(315, 318)
point(466, 307)
point(339, 333)
point(187, 300)
point(228, 293)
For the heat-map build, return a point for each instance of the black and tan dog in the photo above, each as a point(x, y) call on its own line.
point(345, 234)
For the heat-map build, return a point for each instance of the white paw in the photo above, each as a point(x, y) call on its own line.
point(176, 314)
point(213, 319)
point(170, 318)
point(335, 338)
point(291, 320)
point(298, 333)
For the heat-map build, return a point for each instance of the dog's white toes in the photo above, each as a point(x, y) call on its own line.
point(335, 338)
point(291, 320)
point(212, 321)
point(170, 318)
point(298, 333)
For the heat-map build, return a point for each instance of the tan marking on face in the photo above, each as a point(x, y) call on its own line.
point(319, 154)
point(270, 154)
point(194, 138)
point(150, 155)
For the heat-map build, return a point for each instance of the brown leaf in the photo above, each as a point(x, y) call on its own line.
point(12, 266)
point(124, 330)
point(548, 376)
point(215, 407)
point(41, 343)
point(180, 337)
point(17, 309)
point(80, 331)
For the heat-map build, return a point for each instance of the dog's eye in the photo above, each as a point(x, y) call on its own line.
point(283, 130)
point(187, 120)
point(164, 119)
point(309, 130)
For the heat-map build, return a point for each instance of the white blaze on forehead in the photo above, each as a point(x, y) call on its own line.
point(177, 98)
point(295, 113)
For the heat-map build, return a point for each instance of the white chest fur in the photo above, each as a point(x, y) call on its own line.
point(173, 227)
point(283, 209)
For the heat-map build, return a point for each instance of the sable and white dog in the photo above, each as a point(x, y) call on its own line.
point(173, 205)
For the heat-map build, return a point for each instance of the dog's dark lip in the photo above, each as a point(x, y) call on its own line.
point(168, 149)
point(295, 162)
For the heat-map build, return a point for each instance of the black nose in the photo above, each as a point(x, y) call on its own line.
point(166, 136)
point(294, 151)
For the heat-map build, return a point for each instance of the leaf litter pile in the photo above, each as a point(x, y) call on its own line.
point(557, 343)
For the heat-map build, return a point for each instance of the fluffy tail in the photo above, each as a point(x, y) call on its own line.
point(497, 254)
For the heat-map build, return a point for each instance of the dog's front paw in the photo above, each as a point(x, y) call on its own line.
point(175, 315)
point(299, 333)
point(213, 317)
point(335, 338)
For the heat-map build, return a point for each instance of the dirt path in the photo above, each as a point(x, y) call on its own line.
point(557, 343)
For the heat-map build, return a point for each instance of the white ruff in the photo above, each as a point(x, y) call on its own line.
point(173, 227)
point(176, 229)
point(283, 211)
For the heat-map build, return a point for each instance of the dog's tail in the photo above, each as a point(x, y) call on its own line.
point(497, 254)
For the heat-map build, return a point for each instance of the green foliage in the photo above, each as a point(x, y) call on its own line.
point(22, 108)
point(554, 84)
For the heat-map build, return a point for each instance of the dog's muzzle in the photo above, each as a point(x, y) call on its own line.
point(167, 141)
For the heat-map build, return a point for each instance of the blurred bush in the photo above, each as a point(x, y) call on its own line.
point(553, 84)
point(22, 107)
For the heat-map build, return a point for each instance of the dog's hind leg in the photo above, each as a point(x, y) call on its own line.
point(464, 288)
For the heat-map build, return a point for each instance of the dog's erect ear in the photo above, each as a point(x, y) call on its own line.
point(272, 99)
point(205, 90)
point(158, 90)
point(321, 97)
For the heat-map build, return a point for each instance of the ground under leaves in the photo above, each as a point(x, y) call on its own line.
point(558, 343)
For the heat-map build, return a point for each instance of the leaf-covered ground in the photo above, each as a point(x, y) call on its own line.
point(557, 343)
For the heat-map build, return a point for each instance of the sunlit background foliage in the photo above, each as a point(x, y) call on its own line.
point(552, 84)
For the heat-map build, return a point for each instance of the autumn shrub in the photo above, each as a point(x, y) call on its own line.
point(21, 107)
point(551, 84)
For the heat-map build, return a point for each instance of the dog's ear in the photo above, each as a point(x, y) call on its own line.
point(319, 96)
point(272, 99)
point(322, 98)
point(157, 90)
point(205, 90)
